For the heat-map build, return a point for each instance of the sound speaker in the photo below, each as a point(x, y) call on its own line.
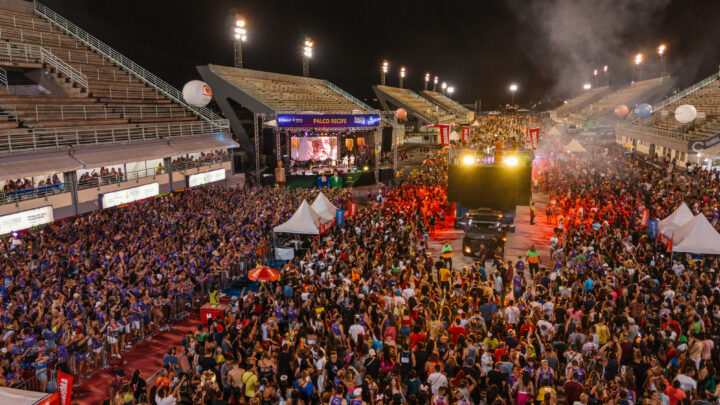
point(387, 133)
point(268, 141)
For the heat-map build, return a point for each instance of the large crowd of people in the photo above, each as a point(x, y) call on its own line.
point(369, 315)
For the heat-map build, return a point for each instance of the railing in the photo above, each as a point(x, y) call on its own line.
point(32, 193)
point(348, 96)
point(3, 78)
point(114, 178)
point(62, 67)
point(129, 65)
point(44, 113)
point(56, 138)
point(204, 161)
point(17, 52)
point(660, 133)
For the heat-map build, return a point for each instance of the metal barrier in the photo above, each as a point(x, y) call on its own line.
point(57, 138)
point(35, 192)
point(193, 164)
point(129, 65)
point(70, 72)
point(86, 112)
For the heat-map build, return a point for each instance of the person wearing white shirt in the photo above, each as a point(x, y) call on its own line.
point(437, 380)
point(512, 313)
point(355, 330)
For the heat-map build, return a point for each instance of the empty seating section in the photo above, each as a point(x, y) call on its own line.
point(449, 105)
point(417, 103)
point(284, 92)
point(707, 102)
point(607, 104)
point(577, 103)
point(114, 97)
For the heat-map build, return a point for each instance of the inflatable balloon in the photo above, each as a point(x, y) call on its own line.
point(401, 114)
point(643, 110)
point(621, 110)
point(197, 93)
point(685, 113)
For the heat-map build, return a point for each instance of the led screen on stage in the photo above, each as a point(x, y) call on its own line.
point(313, 148)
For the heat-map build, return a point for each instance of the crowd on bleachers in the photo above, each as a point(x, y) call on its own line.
point(104, 177)
point(22, 189)
point(205, 158)
point(506, 129)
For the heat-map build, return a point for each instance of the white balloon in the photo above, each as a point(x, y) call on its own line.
point(685, 113)
point(197, 93)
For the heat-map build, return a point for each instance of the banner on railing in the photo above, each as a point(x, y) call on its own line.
point(466, 134)
point(65, 386)
point(25, 219)
point(205, 178)
point(699, 146)
point(328, 120)
point(444, 133)
point(129, 195)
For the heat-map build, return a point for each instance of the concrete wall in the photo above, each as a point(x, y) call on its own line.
point(20, 6)
point(57, 201)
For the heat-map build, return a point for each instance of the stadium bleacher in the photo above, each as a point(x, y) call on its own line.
point(628, 95)
point(82, 93)
point(286, 92)
point(673, 138)
point(415, 105)
point(582, 100)
point(460, 112)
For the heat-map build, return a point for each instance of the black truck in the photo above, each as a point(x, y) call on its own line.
point(484, 227)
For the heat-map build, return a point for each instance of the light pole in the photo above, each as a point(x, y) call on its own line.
point(450, 91)
point(513, 89)
point(307, 54)
point(402, 75)
point(427, 80)
point(595, 72)
point(607, 80)
point(435, 82)
point(661, 52)
point(240, 35)
point(638, 61)
point(384, 70)
point(443, 86)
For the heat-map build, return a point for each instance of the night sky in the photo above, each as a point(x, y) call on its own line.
point(548, 47)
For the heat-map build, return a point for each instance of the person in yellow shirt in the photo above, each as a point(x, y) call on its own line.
point(602, 331)
point(444, 275)
point(250, 380)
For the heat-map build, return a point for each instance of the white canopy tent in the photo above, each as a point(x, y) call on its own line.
point(324, 207)
point(678, 218)
point(554, 131)
point(697, 236)
point(575, 147)
point(303, 221)
point(475, 124)
point(454, 136)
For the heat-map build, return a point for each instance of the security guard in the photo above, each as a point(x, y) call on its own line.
point(447, 254)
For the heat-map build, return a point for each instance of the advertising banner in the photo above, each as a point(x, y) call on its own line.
point(645, 216)
point(466, 134)
point(328, 120)
point(205, 178)
point(129, 195)
point(65, 387)
point(352, 209)
point(532, 136)
point(340, 217)
point(25, 219)
point(652, 225)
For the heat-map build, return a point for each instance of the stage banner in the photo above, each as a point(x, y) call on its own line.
point(328, 120)
point(352, 211)
point(65, 386)
point(340, 217)
point(645, 217)
point(466, 134)
point(652, 225)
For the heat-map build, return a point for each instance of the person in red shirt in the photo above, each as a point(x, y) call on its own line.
point(416, 336)
point(500, 351)
point(456, 330)
point(674, 392)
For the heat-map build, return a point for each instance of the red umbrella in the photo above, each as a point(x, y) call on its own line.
point(263, 274)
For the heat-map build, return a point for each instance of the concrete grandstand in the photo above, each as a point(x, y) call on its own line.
point(80, 119)
point(662, 134)
point(419, 109)
point(460, 111)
